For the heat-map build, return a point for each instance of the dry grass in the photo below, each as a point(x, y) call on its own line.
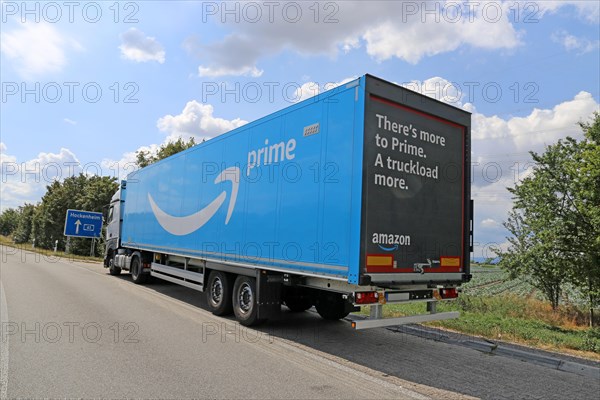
point(47, 254)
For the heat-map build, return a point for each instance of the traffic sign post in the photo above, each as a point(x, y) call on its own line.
point(84, 224)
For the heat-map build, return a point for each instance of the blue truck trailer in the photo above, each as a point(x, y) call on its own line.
point(359, 196)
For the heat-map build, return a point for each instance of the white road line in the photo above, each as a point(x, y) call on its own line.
point(3, 345)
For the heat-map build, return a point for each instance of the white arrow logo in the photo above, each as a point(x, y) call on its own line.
point(77, 225)
point(185, 225)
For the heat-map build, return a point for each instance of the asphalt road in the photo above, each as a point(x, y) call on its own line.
point(71, 330)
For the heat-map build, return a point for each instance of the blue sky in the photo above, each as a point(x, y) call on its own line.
point(86, 84)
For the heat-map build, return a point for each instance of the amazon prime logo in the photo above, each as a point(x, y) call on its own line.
point(185, 225)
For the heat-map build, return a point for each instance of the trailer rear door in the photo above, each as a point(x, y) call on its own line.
point(415, 205)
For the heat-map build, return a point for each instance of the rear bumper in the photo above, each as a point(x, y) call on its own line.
point(411, 278)
point(413, 319)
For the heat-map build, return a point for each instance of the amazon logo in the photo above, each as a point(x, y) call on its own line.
point(185, 225)
point(390, 241)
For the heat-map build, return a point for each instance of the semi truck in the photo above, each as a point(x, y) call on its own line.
point(359, 196)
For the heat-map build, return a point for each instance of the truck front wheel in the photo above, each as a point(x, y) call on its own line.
point(137, 273)
point(244, 301)
point(112, 268)
point(218, 293)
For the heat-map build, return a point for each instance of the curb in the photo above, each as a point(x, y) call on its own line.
point(546, 361)
point(495, 348)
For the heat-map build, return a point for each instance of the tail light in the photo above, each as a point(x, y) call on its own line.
point(448, 293)
point(366, 297)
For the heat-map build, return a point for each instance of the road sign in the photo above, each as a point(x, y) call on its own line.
point(85, 224)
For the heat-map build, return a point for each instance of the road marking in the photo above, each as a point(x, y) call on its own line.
point(3, 345)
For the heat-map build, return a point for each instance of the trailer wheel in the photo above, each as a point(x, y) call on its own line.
point(298, 304)
point(331, 307)
point(244, 301)
point(297, 300)
point(112, 269)
point(218, 293)
point(137, 273)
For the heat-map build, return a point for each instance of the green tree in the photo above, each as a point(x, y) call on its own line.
point(555, 220)
point(22, 233)
point(145, 158)
point(89, 193)
point(9, 219)
point(530, 259)
point(583, 233)
point(97, 194)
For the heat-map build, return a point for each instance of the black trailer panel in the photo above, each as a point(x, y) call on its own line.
point(416, 186)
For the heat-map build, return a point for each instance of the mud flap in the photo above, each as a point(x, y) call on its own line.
point(268, 294)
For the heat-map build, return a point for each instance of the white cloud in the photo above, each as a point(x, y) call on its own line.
point(500, 155)
point(331, 85)
point(225, 56)
point(574, 43)
point(137, 47)
point(541, 126)
point(489, 223)
point(500, 158)
point(36, 49)
point(439, 89)
point(588, 10)
point(224, 71)
point(306, 91)
point(70, 121)
point(350, 44)
point(26, 181)
point(310, 89)
point(127, 164)
point(389, 29)
point(414, 40)
point(406, 30)
point(196, 120)
point(5, 158)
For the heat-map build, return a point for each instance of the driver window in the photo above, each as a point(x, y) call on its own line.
point(110, 214)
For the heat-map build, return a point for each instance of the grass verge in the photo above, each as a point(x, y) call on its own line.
point(514, 319)
point(47, 254)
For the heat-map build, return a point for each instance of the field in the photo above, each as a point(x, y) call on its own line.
point(496, 307)
point(489, 280)
point(492, 281)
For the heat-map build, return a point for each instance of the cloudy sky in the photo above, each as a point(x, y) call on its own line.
point(86, 84)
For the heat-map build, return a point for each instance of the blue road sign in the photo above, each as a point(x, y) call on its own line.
point(83, 224)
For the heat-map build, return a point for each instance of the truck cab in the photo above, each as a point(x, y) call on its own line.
point(114, 222)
